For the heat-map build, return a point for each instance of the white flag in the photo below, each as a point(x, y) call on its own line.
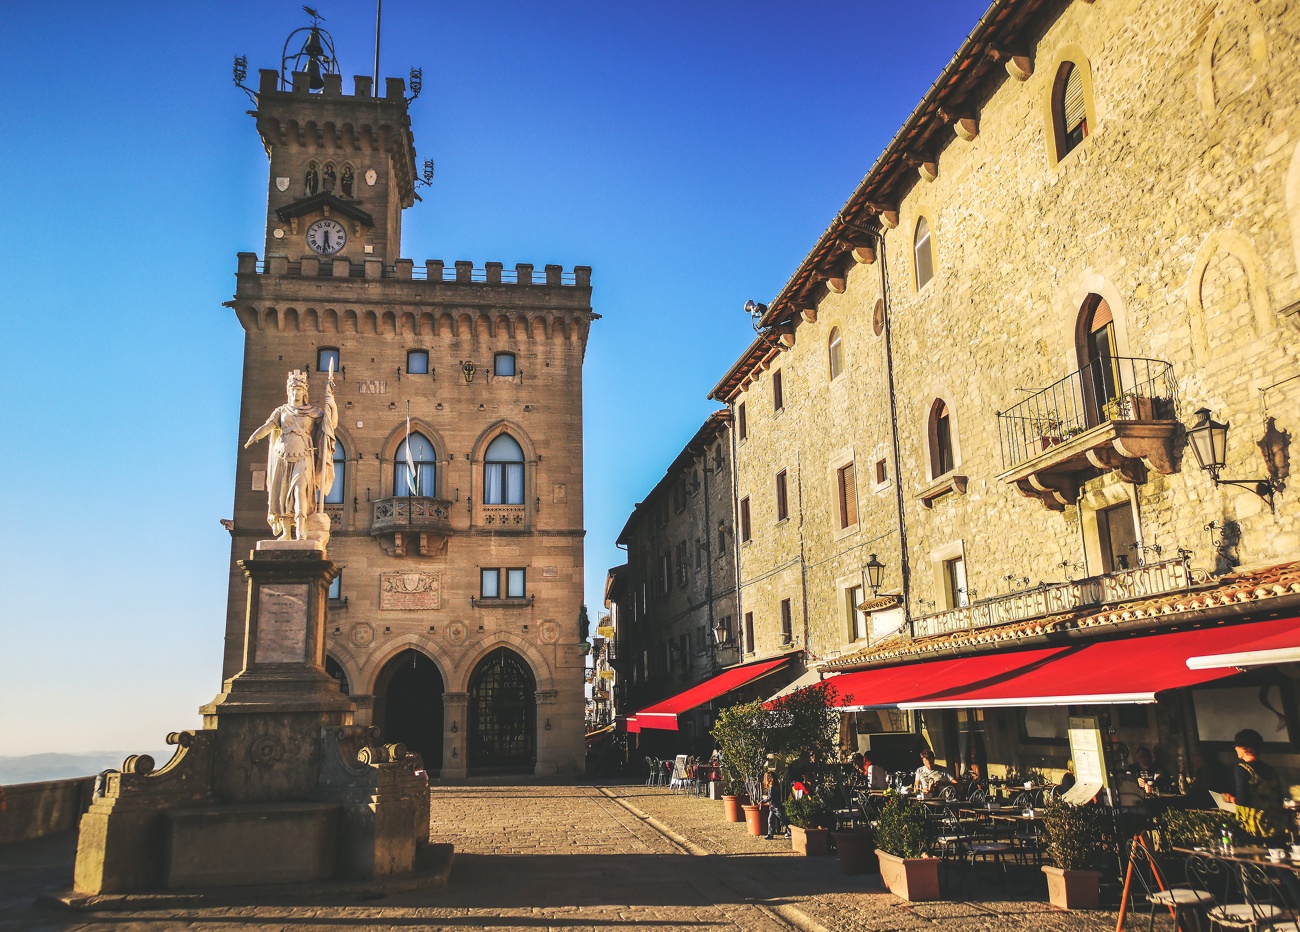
point(412, 480)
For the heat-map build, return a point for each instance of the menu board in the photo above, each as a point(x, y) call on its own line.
point(1089, 755)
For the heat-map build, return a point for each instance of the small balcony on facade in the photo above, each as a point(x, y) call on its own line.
point(1115, 413)
point(408, 525)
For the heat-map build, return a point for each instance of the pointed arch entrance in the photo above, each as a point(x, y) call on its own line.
point(408, 706)
point(502, 715)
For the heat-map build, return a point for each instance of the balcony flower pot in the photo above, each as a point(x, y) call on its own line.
point(810, 842)
point(855, 851)
point(731, 806)
point(912, 879)
point(1072, 889)
point(755, 818)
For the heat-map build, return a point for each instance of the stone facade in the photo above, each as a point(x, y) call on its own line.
point(673, 605)
point(1024, 454)
point(472, 355)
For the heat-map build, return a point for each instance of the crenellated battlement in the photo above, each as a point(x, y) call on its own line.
point(433, 270)
point(363, 86)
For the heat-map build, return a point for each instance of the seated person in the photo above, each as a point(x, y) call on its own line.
point(1207, 774)
point(1146, 771)
point(929, 779)
point(875, 775)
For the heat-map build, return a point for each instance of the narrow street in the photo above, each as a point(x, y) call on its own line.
point(573, 858)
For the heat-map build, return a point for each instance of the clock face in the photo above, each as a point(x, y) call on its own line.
point(326, 236)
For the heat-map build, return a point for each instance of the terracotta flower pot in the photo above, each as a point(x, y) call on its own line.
point(810, 842)
point(731, 808)
point(854, 849)
point(1072, 889)
point(755, 818)
point(913, 879)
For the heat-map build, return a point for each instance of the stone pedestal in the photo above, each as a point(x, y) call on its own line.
point(279, 785)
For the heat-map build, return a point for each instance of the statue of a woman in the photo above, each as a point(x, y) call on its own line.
point(300, 462)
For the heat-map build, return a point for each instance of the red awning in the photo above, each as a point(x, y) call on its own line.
point(1280, 647)
point(664, 714)
point(1127, 670)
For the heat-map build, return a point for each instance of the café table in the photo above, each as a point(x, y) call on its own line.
point(1267, 891)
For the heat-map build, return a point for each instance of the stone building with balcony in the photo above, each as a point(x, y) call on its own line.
point(1086, 231)
point(456, 511)
point(672, 606)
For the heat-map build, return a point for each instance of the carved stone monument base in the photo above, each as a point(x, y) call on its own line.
point(278, 786)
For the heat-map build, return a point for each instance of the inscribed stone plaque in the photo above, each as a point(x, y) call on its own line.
point(409, 591)
point(282, 623)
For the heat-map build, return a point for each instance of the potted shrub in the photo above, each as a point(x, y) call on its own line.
point(809, 819)
point(744, 734)
point(1076, 846)
point(733, 797)
point(903, 837)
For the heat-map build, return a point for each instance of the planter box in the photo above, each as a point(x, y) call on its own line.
point(855, 851)
point(731, 808)
point(810, 842)
point(913, 879)
point(756, 818)
point(1072, 889)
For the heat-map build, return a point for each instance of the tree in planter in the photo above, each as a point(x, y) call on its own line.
point(902, 829)
point(1078, 837)
point(745, 733)
point(808, 725)
point(809, 811)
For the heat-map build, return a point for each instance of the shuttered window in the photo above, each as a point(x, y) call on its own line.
point(847, 481)
point(923, 254)
point(782, 497)
point(744, 518)
point(1069, 109)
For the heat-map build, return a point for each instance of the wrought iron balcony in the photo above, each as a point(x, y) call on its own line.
point(1116, 413)
point(1057, 598)
point(411, 524)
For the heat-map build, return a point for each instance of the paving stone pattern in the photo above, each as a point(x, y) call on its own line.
point(573, 858)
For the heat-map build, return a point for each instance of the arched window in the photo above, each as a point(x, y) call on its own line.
point(941, 458)
point(503, 364)
point(334, 495)
point(328, 178)
point(415, 468)
point(836, 350)
point(1069, 110)
point(311, 181)
point(922, 253)
point(1097, 356)
point(347, 181)
point(503, 472)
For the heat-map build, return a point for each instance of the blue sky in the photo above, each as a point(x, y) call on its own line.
point(689, 153)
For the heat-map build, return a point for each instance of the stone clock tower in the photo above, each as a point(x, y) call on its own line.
point(454, 625)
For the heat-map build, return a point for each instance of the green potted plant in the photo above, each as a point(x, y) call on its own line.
point(1077, 844)
point(810, 819)
point(1189, 828)
point(744, 734)
point(903, 839)
point(733, 797)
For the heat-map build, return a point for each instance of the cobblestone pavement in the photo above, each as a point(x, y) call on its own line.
point(573, 858)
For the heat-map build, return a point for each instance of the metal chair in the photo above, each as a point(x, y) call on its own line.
point(1192, 899)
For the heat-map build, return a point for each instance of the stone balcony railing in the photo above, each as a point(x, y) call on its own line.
point(1116, 413)
point(411, 524)
point(433, 270)
point(1058, 598)
point(504, 517)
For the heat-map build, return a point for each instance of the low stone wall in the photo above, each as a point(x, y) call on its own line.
point(37, 809)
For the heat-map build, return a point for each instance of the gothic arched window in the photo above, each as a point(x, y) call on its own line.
point(417, 473)
point(334, 494)
point(503, 472)
point(1069, 108)
point(941, 456)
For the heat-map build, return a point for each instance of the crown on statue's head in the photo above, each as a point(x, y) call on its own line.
point(296, 378)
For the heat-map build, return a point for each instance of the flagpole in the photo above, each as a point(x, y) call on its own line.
point(379, 15)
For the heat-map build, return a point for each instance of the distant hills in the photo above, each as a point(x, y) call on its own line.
point(33, 768)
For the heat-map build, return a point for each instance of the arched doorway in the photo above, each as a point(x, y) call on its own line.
point(408, 706)
point(502, 715)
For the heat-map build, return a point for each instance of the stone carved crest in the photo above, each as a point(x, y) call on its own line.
point(408, 591)
point(549, 632)
point(363, 635)
point(265, 750)
point(282, 184)
point(371, 177)
point(457, 632)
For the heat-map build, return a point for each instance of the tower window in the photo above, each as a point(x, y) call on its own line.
point(516, 583)
point(347, 181)
point(336, 587)
point(417, 362)
point(489, 586)
point(415, 468)
point(326, 355)
point(503, 472)
point(311, 181)
point(503, 365)
point(334, 495)
point(923, 254)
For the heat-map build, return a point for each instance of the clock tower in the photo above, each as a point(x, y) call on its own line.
point(456, 506)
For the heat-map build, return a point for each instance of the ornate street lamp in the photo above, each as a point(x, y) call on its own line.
point(1209, 442)
point(875, 574)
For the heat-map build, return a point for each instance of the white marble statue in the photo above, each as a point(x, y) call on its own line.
point(300, 462)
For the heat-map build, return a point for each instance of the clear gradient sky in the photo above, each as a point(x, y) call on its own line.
point(691, 153)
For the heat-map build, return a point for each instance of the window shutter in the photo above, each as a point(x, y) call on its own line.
point(848, 497)
point(1101, 316)
point(1075, 112)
